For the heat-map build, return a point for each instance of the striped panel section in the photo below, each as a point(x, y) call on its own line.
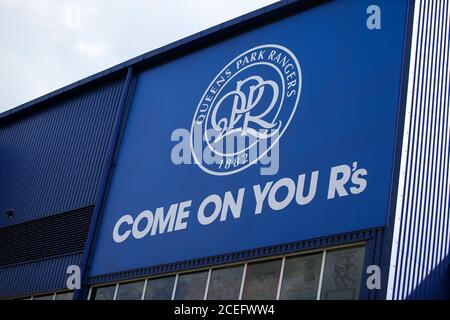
point(22, 280)
point(419, 263)
point(51, 157)
point(56, 235)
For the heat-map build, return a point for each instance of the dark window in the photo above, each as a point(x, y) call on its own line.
point(261, 280)
point(159, 289)
point(225, 283)
point(64, 296)
point(130, 291)
point(44, 297)
point(51, 237)
point(191, 286)
point(301, 277)
point(342, 274)
point(103, 293)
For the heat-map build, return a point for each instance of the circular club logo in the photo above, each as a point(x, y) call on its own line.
point(246, 109)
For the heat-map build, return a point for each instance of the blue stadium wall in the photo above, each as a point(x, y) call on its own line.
point(52, 155)
point(56, 154)
point(419, 262)
point(376, 239)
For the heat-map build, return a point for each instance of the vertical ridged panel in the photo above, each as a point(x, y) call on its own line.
point(419, 266)
point(43, 238)
point(22, 280)
point(51, 157)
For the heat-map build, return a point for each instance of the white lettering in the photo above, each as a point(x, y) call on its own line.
point(260, 196)
point(122, 237)
point(216, 201)
point(289, 184)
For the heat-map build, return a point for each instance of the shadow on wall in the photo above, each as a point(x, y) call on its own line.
point(436, 286)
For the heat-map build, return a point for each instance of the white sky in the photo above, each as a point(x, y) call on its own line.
point(47, 44)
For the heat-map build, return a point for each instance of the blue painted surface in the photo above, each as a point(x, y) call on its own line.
point(112, 149)
point(47, 275)
point(51, 159)
point(421, 239)
point(347, 112)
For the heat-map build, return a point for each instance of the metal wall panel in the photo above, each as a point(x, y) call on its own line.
point(51, 157)
point(55, 235)
point(36, 277)
point(419, 263)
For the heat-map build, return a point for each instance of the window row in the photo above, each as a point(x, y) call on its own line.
point(66, 295)
point(329, 274)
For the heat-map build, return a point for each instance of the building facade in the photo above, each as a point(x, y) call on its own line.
point(296, 152)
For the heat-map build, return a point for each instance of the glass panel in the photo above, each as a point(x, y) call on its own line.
point(159, 289)
point(301, 277)
point(191, 286)
point(130, 291)
point(261, 280)
point(342, 274)
point(225, 283)
point(45, 297)
point(103, 293)
point(64, 296)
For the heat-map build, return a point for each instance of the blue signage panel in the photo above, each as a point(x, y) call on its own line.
point(281, 134)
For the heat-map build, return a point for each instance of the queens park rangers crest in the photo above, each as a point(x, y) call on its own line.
point(246, 109)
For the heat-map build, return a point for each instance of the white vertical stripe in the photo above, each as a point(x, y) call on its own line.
point(446, 121)
point(406, 133)
point(322, 269)
point(244, 274)
point(280, 279)
point(116, 289)
point(145, 289)
point(175, 284)
point(208, 279)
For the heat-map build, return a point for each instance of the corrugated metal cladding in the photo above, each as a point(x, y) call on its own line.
point(22, 280)
point(42, 238)
point(51, 160)
point(51, 157)
point(420, 253)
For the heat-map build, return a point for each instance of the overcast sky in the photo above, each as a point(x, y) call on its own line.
point(47, 44)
